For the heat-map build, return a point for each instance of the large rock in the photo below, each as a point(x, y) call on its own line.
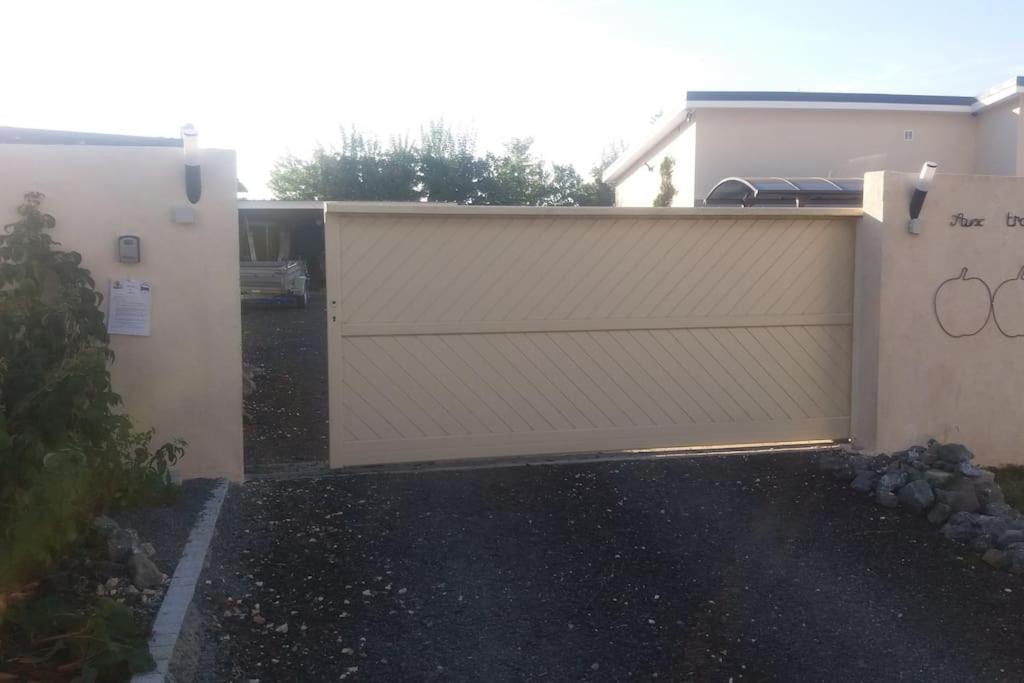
point(1015, 558)
point(104, 525)
point(966, 469)
point(959, 518)
point(939, 513)
point(122, 544)
point(860, 462)
point(954, 453)
point(1001, 509)
point(104, 570)
point(981, 544)
point(1010, 537)
point(961, 533)
point(928, 457)
point(991, 526)
point(988, 492)
point(996, 558)
point(886, 498)
point(961, 496)
point(938, 478)
point(143, 572)
point(864, 481)
point(917, 496)
point(892, 480)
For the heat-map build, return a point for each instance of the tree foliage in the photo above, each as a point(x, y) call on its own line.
point(443, 167)
point(667, 191)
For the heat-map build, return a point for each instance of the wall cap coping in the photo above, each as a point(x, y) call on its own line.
point(425, 208)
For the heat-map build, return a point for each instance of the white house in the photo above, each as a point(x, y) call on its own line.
point(717, 135)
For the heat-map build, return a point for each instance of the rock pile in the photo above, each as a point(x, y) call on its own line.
point(941, 480)
point(129, 566)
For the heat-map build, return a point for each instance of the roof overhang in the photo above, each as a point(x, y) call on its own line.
point(637, 154)
point(279, 205)
point(965, 108)
point(999, 94)
point(826, 100)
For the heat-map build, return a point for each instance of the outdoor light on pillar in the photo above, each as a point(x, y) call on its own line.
point(924, 183)
point(193, 177)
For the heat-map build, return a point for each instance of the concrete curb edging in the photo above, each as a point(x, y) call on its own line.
point(167, 625)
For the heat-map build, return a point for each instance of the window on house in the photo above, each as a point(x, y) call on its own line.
point(908, 135)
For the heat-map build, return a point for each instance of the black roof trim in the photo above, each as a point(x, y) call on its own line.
point(35, 136)
point(854, 98)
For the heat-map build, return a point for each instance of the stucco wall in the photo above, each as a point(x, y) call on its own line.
point(913, 380)
point(184, 379)
point(642, 185)
point(839, 144)
point(999, 138)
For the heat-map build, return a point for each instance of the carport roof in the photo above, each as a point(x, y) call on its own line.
point(800, 192)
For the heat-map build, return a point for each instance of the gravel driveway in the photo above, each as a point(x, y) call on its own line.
point(707, 568)
point(287, 413)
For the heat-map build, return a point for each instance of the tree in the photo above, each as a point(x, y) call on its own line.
point(361, 170)
point(668, 190)
point(443, 167)
point(516, 178)
point(448, 166)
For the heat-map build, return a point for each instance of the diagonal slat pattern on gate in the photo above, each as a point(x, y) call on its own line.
point(463, 335)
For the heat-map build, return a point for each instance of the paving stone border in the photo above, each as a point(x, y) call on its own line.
point(939, 479)
point(167, 626)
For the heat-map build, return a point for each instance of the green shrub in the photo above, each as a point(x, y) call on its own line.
point(667, 191)
point(66, 451)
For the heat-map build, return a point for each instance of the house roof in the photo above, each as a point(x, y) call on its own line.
point(700, 96)
point(38, 136)
point(712, 99)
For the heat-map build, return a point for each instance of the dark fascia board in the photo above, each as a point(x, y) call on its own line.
point(35, 136)
point(853, 98)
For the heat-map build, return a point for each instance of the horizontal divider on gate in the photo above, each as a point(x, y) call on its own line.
point(594, 325)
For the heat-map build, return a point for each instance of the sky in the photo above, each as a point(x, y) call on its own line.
point(270, 79)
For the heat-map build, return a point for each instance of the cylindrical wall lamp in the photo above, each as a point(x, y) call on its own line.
point(193, 177)
point(924, 183)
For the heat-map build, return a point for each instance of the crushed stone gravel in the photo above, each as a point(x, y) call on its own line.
point(287, 411)
point(698, 568)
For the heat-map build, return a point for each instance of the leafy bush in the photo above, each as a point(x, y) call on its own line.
point(66, 451)
point(93, 639)
point(667, 191)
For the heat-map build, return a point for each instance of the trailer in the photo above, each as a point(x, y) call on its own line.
point(281, 279)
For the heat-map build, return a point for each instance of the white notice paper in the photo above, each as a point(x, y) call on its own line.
point(129, 307)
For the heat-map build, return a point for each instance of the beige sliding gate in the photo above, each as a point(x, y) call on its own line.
point(476, 332)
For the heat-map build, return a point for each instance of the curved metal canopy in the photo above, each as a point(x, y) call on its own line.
point(772, 191)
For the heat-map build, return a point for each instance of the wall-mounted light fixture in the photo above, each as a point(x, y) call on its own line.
point(193, 177)
point(924, 183)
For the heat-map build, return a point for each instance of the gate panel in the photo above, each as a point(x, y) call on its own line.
point(462, 332)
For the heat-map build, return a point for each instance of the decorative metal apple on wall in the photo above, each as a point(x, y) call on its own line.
point(1008, 306)
point(963, 305)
